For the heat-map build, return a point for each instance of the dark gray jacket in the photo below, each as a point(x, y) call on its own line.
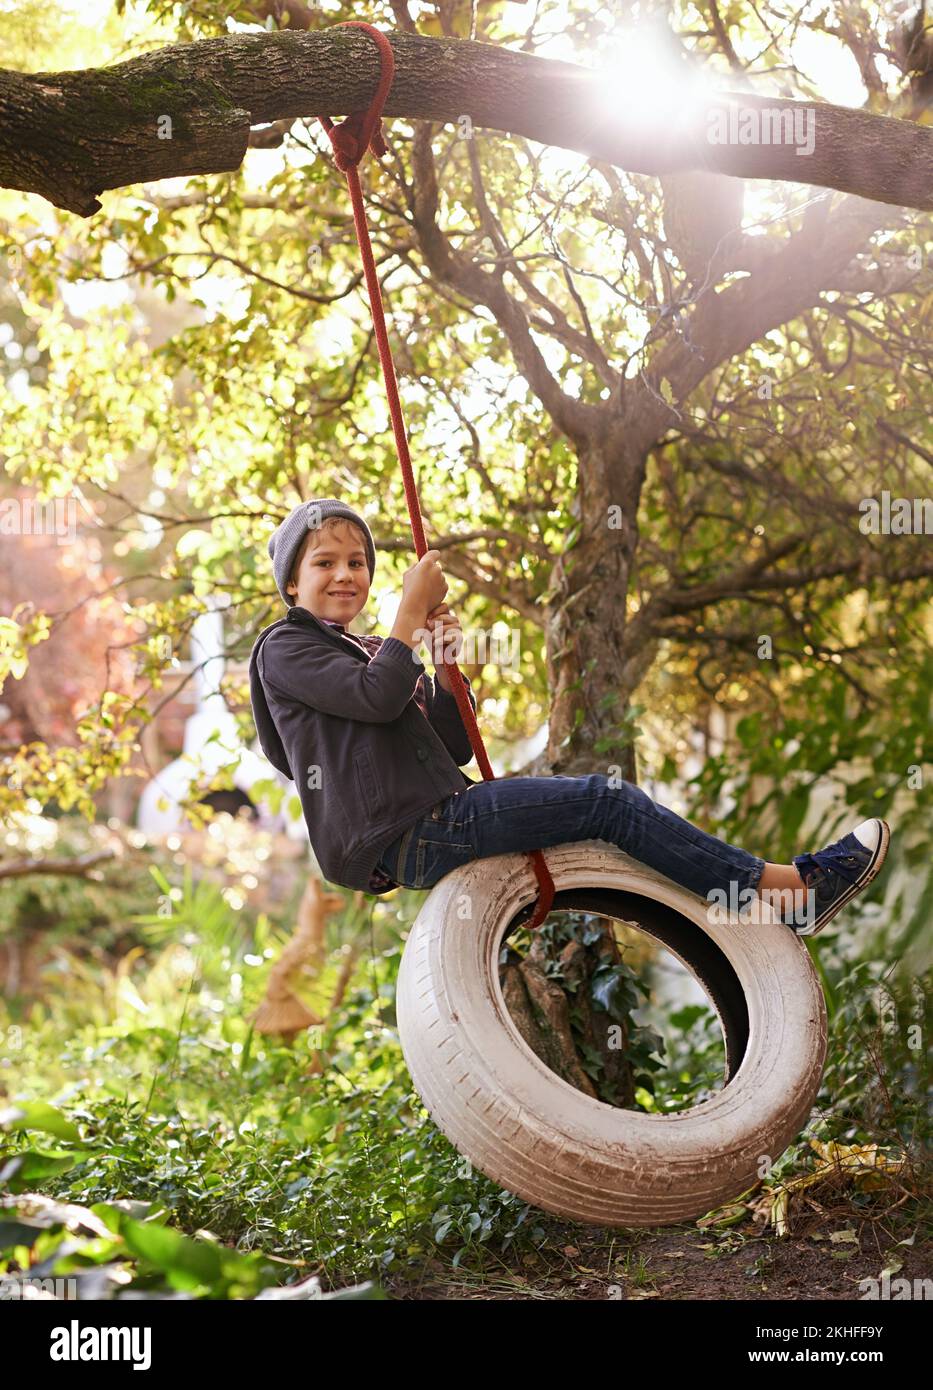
point(364, 759)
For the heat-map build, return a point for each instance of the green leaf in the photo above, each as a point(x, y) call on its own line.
point(172, 1252)
point(37, 1114)
point(23, 1170)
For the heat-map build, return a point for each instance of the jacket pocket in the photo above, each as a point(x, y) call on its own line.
point(368, 784)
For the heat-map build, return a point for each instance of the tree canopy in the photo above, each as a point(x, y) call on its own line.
point(647, 404)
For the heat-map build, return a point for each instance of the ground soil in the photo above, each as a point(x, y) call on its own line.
point(684, 1262)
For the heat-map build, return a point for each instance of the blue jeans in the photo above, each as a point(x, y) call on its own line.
point(515, 814)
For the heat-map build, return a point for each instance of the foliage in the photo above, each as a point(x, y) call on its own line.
point(192, 361)
point(214, 345)
point(139, 1092)
point(869, 1131)
point(613, 990)
point(823, 731)
point(90, 913)
point(174, 1102)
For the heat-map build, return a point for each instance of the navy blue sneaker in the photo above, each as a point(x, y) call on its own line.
point(842, 869)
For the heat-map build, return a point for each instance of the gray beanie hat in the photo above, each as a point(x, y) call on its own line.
point(286, 539)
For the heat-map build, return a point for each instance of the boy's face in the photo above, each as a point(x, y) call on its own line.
point(333, 578)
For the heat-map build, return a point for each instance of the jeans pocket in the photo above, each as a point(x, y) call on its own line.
point(435, 858)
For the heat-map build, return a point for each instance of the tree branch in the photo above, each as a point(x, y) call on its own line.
point(904, 439)
point(758, 577)
point(725, 325)
point(70, 135)
point(481, 287)
point(19, 868)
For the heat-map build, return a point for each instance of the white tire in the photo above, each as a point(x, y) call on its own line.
point(539, 1137)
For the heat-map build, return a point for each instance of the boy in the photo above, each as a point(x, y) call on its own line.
point(370, 741)
point(375, 748)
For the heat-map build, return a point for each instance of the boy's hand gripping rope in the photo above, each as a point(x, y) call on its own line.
point(362, 130)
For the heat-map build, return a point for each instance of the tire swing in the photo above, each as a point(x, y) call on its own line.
point(535, 1134)
point(515, 1120)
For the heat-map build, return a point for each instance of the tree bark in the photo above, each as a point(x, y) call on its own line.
point(593, 667)
point(540, 1009)
point(69, 136)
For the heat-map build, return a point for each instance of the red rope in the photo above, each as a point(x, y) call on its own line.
point(360, 131)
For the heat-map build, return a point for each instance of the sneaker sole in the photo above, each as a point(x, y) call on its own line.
point(865, 878)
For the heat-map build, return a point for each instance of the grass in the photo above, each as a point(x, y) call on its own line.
point(211, 1161)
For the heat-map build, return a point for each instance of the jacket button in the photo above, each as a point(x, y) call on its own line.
point(422, 753)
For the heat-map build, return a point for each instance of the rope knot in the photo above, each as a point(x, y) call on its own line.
point(377, 144)
point(346, 143)
point(348, 139)
point(362, 130)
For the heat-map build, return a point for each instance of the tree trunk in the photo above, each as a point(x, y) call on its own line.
point(593, 669)
point(541, 1010)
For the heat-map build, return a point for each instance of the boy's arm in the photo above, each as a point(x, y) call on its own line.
point(444, 716)
point(334, 682)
